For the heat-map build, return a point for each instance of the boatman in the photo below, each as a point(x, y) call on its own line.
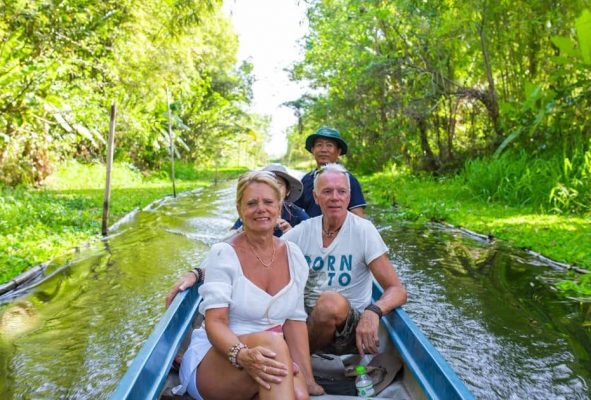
point(343, 252)
point(327, 145)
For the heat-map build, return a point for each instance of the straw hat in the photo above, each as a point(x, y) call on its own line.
point(294, 186)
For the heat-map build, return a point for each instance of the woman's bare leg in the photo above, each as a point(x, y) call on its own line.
point(217, 379)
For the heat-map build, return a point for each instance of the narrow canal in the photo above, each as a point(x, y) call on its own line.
point(489, 309)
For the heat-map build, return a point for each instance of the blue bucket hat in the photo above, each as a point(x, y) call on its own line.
point(328, 133)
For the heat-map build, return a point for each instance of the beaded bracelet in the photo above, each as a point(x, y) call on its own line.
point(233, 353)
point(198, 272)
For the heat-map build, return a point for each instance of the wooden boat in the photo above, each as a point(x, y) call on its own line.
point(424, 373)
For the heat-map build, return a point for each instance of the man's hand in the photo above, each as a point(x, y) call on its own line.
point(184, 283)
point(367, 339)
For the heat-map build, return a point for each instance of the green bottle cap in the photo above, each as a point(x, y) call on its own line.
point(360, 369)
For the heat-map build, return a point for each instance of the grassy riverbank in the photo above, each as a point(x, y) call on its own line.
point(564, 238)
point(39, 224)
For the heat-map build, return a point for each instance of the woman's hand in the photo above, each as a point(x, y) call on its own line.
point(259, 362)
point(184, 283)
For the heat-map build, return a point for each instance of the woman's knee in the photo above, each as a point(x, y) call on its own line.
point(270, 340)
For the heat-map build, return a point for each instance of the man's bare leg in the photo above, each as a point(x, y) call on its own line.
point(328, 315)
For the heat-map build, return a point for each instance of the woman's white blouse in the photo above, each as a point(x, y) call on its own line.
point(251, 309)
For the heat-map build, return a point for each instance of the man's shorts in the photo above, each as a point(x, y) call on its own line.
point(344, 338)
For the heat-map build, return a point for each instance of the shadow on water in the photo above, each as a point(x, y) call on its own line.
point(489, 309)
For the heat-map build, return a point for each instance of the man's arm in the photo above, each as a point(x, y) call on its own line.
point(357, 203)
point(358, 211)
point(394, 292)
point(394, 296)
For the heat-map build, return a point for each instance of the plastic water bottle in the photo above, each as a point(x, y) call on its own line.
point(363, 382)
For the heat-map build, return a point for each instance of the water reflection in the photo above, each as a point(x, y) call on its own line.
point(492, 313)
point(73, 335)
point(489, 309)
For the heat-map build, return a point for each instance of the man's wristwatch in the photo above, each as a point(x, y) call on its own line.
point(376, 309)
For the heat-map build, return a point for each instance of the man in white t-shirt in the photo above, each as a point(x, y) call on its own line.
point(343, 251)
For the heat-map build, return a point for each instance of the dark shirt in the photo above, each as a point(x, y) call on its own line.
point(290, 212)
point(306, 200)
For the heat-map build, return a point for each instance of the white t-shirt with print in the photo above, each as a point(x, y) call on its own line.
point(342, 266)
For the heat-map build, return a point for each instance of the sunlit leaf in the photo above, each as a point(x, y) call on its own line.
point(583, 25)
point(565, 45)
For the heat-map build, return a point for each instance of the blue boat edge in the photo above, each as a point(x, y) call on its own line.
point(429, 368)
point(146, 375)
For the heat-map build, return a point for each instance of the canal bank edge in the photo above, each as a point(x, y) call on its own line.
point(35, 274)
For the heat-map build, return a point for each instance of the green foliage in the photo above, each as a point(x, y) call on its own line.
point(400, 189)
point(74, 175)
point(430, 85)
point(555, 184)
point(572, 193)
point(578, 286)
point(421, 198)
point(542, 119)
point(63, 63)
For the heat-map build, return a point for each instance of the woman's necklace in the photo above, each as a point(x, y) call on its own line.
point(328, 233)
point(266, 265)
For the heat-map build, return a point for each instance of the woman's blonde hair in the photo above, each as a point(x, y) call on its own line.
point(265, 177)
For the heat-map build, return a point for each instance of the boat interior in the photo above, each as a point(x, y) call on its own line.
point(336, 373)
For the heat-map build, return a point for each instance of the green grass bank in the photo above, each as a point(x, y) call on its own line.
point(561, 237)
point(37, 225)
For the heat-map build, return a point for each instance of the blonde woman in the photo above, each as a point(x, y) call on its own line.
point(255, 321)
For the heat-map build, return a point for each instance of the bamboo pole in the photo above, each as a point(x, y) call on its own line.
point(105, 228)
point(171, 142)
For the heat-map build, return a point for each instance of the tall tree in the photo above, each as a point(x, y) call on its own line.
point(63, 62)
point(430, 84)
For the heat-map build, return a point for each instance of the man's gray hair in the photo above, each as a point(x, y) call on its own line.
point(332, 167)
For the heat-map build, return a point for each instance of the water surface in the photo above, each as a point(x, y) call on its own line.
point(489, 309)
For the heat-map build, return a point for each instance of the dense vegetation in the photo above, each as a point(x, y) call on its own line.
point(420, 199)
point(62, 64)
point(479, 107)
point(444, 86)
